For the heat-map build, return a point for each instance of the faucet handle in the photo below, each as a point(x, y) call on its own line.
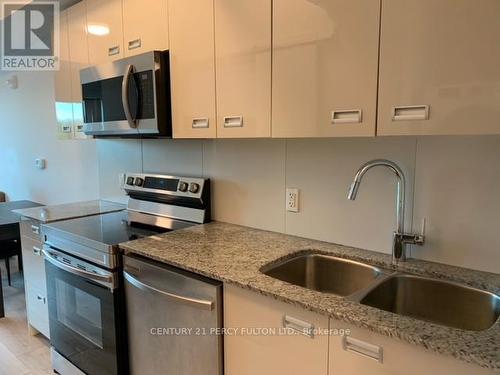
point(414, 239)
point(420, 238)
point(410, 239)
point(422, 230)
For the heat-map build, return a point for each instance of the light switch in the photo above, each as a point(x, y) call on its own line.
point(12, 82)
point(40, 163)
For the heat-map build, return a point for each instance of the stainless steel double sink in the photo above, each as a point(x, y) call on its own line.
point(437, 301)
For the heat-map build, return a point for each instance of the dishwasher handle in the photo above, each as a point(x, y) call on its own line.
point(193, 302)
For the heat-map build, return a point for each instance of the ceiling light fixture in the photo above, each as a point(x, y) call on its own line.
point(97, 29)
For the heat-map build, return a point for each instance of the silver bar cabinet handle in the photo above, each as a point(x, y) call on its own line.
point(115, 50)
point(194, 302)
point(352, 116)
point(299, 326)
point(410, 112)
point(363, 348)
point(233, 121)
point(200, 122)
point(133, 44)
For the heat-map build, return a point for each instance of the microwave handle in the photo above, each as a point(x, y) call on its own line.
point(126, 105)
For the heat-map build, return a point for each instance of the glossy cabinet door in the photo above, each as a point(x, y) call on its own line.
point(37, 309)
point(261, 336)
point(366, 352)
point(192, 68)
point(62, 84)
point(79, 58)
point(325, 62)
point(34, 278)
point(105, 30)
point(439, 67)
point(243, 68)
point(145, 26)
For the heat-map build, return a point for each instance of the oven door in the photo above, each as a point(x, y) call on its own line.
point(83, 305)
point(120, 98)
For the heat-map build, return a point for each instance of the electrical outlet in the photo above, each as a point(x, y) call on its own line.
point(292, 200)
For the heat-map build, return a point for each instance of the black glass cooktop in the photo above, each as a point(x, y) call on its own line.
point(109, 229)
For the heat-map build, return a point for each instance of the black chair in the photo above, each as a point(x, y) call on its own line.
point(8, 249)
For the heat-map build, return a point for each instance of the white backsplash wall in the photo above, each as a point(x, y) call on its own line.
point(456, 188)
point(179, 157)
point(28, 130)
point(458, 191)
point(117, 156)
point(248, 181)
point(323, 170)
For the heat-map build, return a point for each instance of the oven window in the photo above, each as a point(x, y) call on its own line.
point(79, 311)
point(83, 321)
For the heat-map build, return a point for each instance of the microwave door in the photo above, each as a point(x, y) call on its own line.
point(103, 108)
point(111, 105)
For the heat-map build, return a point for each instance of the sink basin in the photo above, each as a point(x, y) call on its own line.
point(436, 301)
point(324, 273)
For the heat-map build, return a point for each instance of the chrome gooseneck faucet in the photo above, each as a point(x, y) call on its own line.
point(400, 238)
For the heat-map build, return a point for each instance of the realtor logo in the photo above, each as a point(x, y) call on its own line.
point(30, 33)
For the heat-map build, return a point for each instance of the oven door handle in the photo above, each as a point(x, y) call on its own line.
point(74, 270)
point(126, 105)
point(198, 303)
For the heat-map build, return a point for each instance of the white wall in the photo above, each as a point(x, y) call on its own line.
point(456, 188)
point(28, 130)
point(458, 191)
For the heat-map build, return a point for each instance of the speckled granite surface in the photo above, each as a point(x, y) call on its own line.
point(48, 214)
point(234, 254)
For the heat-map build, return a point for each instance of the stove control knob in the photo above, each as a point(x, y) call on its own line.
point(194, 188)
point(183, 186)
point(139, 181)
point(130, 180)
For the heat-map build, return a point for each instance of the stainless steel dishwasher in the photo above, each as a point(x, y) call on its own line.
point(173, 317)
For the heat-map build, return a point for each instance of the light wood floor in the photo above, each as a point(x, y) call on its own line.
point(20, 353)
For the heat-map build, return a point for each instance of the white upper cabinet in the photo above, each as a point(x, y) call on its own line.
point(79, 57)
point(62, 85)
point(192, 68)
point(105, 30)
point(145, 26)
point(325, 61)
point(439, 67)
point(243, 68)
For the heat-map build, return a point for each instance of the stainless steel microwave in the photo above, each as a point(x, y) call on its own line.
point(128, 97)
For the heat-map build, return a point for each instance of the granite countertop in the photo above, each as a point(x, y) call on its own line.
point(47, 214)
point(235, 254)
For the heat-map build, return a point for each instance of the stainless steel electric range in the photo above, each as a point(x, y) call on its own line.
point(83, 268)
